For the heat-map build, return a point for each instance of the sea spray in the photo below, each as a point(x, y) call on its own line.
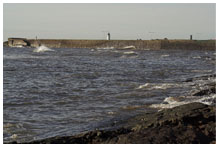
point(42, 49)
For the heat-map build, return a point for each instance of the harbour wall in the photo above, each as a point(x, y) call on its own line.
point(120, 44)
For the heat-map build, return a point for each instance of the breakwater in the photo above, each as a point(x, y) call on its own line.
point(120, 44)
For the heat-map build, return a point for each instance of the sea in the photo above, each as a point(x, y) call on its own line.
point(51, 92)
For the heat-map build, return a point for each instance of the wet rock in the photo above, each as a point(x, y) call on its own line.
point(190, 123)
point(208, 91)
point(201, 78)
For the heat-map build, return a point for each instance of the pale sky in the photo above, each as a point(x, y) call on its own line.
point(123, 21)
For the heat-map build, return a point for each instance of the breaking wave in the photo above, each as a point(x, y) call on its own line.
point(151, 86)
point(201, 90)
point(42, 49)
point(129, 47)
point(171, 102)
point(130, 53)
point(165, 55)
point(196, 57)
point(105, 48)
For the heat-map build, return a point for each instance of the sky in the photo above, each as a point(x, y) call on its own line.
point(123, 21)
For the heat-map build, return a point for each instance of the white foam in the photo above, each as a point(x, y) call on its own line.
point(162, 86)
point(129, 47)
point(42, 49)
point(208, 100)
point(143, 86)
point(19, 46)
point(106, 48)
point(130, 53)
point(111, 113)
point(167, 106)
point(197, 57)
point(172, 102)
point(14, 136)
point(165, 55)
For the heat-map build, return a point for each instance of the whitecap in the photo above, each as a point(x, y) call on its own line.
point(129, 47)
point(162, 86)
point(130, 53)
point(115, 51)
point(14, 136)
point(208, 100)
point(165, 55)
point(111, 113)
point(143, 86)
point(42, 49)
point(105, 48)
point(171, 102)
point(197, 57)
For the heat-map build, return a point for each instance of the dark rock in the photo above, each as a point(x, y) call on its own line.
point(201, 78)
point(5, 43)
point(190, 123)
point(206, 92)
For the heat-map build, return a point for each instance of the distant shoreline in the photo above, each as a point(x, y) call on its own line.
point(118, 44)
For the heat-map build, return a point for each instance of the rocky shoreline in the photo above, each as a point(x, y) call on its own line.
point(184, 124)
point(190, 123)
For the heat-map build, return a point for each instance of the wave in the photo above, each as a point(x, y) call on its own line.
point(197, 57)
point(163, 86)
point(105, 48)
point(165, 55)
point(22, 57)
point(143, 86)
point(171, 102)
point(203, 86)
point(42, 49)
point(130, 53)
point(129, 47)
point(19, 46)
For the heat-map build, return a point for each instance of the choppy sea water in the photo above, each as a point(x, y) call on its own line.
point(58, 92)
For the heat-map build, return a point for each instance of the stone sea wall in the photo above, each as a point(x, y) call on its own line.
point(138, 44)
point(120, 44)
